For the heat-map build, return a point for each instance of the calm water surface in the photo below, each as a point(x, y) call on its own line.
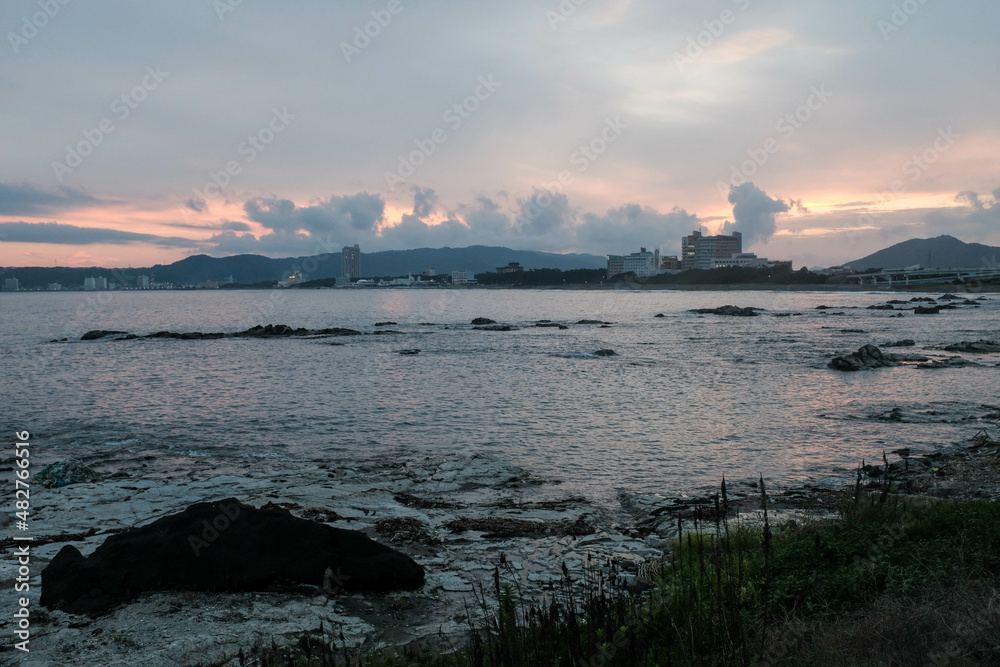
point(687, 400)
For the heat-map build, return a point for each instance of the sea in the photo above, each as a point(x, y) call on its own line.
point(686, 400)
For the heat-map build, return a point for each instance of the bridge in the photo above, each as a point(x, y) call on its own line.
point(919, 275)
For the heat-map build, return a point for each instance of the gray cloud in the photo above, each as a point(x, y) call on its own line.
point(28, 200)
point(197, 205)
point(234, 225)
point(545, 213)
point(54, 232)
point(424, 201)
point(753, 213)
point(357, 214)
point(486, 217)
point(630, 227)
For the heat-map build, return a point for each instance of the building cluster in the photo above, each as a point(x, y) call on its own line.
point(697, 252)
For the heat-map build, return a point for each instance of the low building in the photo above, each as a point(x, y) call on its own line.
point(512, 267)
point(462, 278)
point(95, 284)
point(670, 263)
point(11, 285)
point(643, 263)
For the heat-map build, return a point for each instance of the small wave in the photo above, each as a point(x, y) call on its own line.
point(119, 443)
point(577, 355)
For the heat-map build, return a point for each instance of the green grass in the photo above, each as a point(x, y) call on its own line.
point(729, 595)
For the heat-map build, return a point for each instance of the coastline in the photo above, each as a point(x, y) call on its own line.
point(429, 495)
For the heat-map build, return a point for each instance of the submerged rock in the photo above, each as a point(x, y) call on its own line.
point(732, 311)
point(258, 331)
point(505, 527)
point(63, 473)
point(590, 322)
point(550, 325)
point(605, 353)
point(483, 320)
point(906, 342)
point(865, 358)
point(99, 333)
point(222, 546)
point(410, 351)
point(978, 347)
point(929, 310)
point(494, 327)
point(950, 362)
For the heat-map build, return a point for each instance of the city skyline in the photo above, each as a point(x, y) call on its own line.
point(562, 127)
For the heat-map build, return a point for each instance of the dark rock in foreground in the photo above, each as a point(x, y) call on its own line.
point(222, 546)
point(732, 311)
point(865, 358)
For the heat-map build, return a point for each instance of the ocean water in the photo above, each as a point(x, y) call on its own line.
point(686, 400)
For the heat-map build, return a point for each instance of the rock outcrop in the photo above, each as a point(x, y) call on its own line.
point(222, 546)
point(259, 331)
point(865, 358)
point(732, 311)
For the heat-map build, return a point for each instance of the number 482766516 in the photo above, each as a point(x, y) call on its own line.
point(22, 486)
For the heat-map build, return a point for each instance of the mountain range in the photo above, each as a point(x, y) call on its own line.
point(251, 269)
point(941, 252)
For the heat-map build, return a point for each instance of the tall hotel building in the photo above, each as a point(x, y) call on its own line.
point(352, 261)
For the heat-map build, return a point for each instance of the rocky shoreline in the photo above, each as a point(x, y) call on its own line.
point(454, 515)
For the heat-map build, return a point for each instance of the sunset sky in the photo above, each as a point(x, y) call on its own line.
point(142, 132)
